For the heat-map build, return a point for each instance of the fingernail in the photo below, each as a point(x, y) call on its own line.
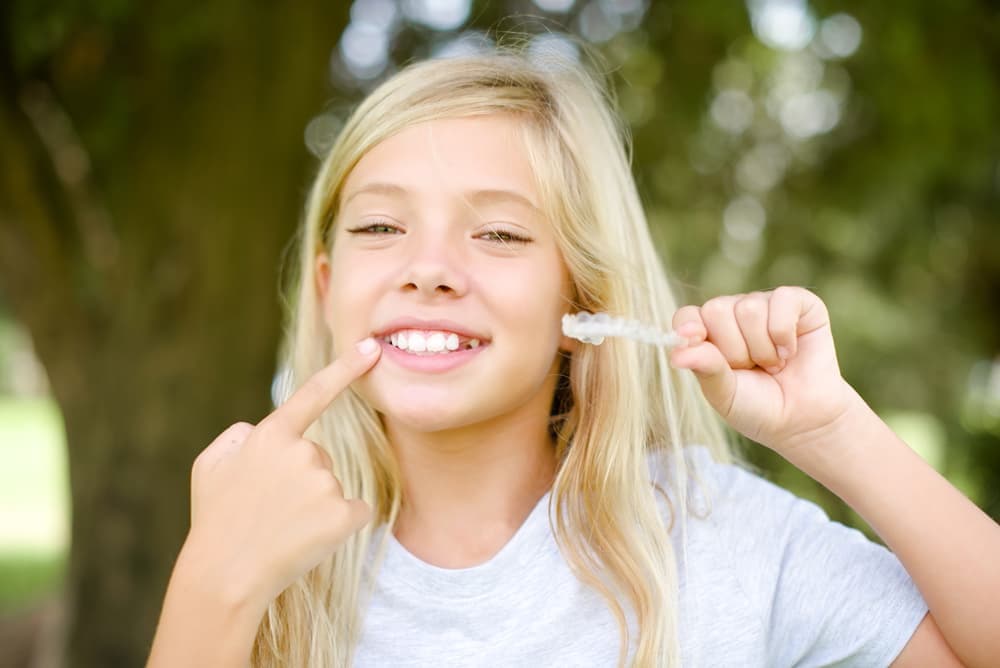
point(783, 352)
point(367, 346)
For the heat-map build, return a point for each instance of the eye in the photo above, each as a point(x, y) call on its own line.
point(504, 237)
point(378, 228)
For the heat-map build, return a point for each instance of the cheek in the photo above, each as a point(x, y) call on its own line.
point(532, 304)
point(350, 298)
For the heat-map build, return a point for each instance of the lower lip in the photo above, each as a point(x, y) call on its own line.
point(437, 363)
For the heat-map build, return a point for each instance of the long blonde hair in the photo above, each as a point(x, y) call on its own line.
point(616, 404)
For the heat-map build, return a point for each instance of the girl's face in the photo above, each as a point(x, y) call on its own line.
point(440, 240)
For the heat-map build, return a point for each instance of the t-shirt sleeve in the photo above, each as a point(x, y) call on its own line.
point(826, 594)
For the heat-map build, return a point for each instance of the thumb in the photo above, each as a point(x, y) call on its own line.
point(716, 377)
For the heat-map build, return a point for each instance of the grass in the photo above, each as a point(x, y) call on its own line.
point(34, 500)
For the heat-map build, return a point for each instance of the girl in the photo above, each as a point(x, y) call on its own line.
point(454, 482)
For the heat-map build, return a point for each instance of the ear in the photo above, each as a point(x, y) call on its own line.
point(568, 344)
point(322, 270)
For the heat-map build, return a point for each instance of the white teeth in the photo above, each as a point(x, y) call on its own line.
point(435, 342)
point(417, 342)
point(429, 342)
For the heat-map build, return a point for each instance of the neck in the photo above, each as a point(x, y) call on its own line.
point(467, 491)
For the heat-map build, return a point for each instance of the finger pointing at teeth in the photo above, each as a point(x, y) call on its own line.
point(266, 503)
point(305, 406)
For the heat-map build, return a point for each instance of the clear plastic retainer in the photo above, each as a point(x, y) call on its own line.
point(594, 327)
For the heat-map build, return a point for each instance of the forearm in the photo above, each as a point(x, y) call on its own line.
point(949, 547)
point(200, 625)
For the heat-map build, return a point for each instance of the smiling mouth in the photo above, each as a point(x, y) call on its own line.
point(429, 342)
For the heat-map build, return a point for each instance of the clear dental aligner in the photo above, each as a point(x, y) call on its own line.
point(594, 327)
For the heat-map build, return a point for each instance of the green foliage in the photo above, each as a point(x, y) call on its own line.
point(38, 32)
point(28, 577)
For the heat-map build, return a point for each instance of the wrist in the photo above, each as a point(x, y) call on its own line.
point(221, 586)
point(203, 622)
point(838, 443)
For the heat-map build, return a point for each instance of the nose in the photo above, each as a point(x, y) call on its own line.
point(434, 269)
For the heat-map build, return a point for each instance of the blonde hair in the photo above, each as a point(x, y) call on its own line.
point(616, 403)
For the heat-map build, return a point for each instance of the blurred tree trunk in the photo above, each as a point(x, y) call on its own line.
point(152, 173)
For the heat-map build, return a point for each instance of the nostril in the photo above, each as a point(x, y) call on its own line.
point(441, 289)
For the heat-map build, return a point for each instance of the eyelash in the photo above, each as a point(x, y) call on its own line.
point(512, 238)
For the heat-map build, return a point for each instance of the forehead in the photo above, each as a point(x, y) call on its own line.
point(449, 156)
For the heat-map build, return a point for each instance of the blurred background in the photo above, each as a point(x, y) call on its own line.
point(154, 160)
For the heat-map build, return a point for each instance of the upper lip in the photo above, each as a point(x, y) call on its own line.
point(434, 325)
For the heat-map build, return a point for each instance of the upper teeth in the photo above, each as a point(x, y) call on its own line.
point(419, 341)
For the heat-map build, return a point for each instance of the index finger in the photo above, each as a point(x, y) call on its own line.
point(309, 401)
point(688, 323)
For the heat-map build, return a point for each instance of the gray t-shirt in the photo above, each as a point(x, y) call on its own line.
point(768, 580)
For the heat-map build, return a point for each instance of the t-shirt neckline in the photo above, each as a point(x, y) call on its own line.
point(401, 567)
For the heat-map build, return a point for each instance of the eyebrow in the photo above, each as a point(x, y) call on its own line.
point(481, 196)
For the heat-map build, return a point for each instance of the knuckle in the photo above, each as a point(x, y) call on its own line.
point(716, 307)
point(787, 291)
point(751, 306)
point(242, 427)
point(781, 288)
point(313, 454)
point(336, 526)
point(327, 484)
point(685, 314)
point(202, 460)
point(300, 452)
point(196, 467)
point(337, 518)
point(712, 305)
point(237, 432)
point(322, 457)
point(817, 300)
point(346, 511)
point(337, 487)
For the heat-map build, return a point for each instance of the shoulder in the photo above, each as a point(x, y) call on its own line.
point(730, 510)
point(821, 591)
point(768, 526)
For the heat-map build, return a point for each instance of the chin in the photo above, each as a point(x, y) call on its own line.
point(424, 423)
point(420, 408)
point(427, 418)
